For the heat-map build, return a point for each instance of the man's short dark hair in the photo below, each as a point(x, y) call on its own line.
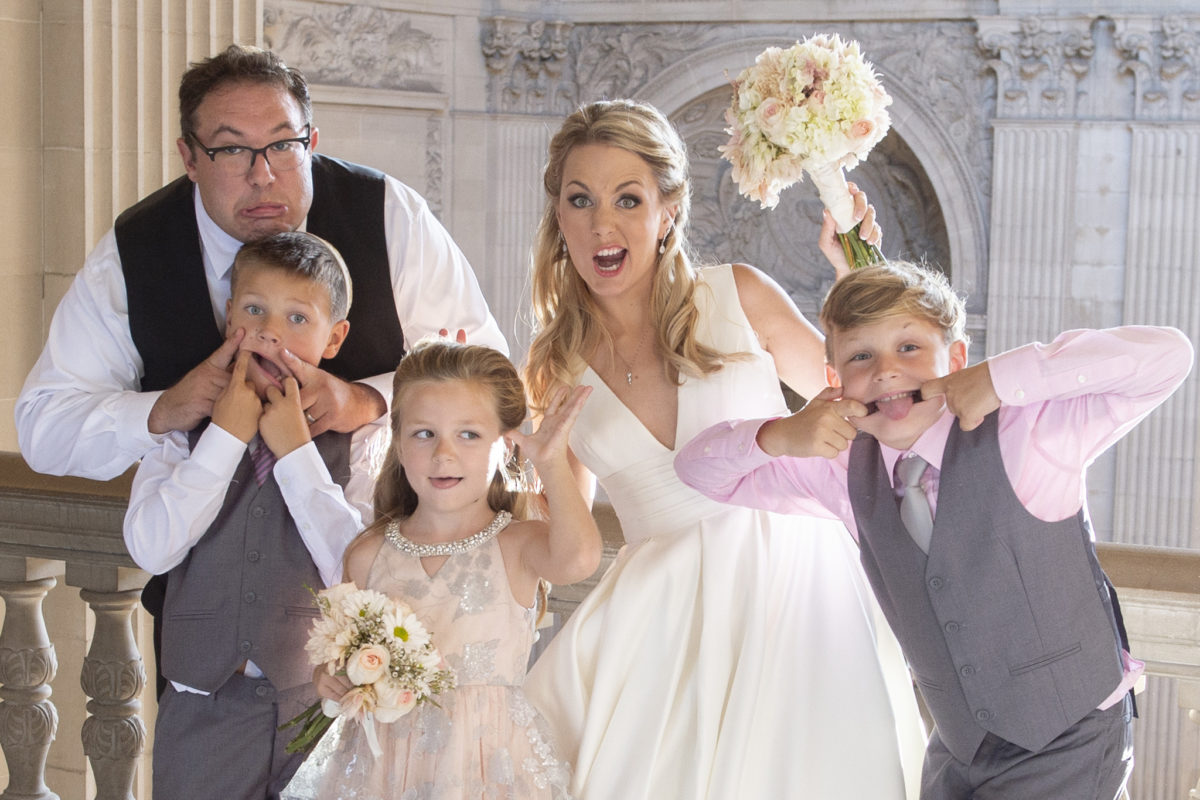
point(302, 254)
point(238, 64)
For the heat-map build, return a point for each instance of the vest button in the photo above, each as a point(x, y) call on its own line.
point(951, 627)
point(983, 715)
point(245, 646)
point(249, 597)
point(253, 555)
point(936, 583)
point(259, 512)
point(261, 691)
point(967, 671)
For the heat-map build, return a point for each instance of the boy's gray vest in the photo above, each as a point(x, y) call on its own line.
point(243, 590)
point(170, 313)
point(1009, 623)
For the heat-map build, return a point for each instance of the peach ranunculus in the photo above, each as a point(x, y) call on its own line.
point(367, 664)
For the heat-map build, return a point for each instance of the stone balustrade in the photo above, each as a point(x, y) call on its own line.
point(67, 529)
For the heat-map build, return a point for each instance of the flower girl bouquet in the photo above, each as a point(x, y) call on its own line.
point(816, 107)
point(384, 650)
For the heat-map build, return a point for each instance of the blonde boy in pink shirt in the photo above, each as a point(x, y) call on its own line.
point(1009, 624)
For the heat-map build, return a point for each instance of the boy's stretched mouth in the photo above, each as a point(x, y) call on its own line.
point(895, 405)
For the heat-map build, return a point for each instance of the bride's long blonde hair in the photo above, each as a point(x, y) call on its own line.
point(566, 324)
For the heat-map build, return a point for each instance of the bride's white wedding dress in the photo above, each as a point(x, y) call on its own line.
point(727, 653)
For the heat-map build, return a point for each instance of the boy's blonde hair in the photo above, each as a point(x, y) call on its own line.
point(441, 360)
point(866, 296)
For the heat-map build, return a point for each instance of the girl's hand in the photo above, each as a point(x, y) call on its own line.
point(330, 687)
point(550, 441)
point(237, 408)
point(283, 426)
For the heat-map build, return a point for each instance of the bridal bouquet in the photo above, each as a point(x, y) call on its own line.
point(379, 644)
point(816, 107)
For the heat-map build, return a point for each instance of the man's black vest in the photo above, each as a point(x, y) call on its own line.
point(170, 313)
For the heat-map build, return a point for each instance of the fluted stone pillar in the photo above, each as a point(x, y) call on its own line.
point(28, 720)
point(113, 676)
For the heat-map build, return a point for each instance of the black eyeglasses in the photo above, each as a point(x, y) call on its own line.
point(238, 159)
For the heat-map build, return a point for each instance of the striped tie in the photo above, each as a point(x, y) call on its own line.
point(264, 461)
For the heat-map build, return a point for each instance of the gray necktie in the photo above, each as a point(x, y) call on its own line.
point(914, 505)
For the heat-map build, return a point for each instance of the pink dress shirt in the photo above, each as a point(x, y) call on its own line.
point(1062, 405)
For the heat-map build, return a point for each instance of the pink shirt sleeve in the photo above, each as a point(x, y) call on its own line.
point(1066, 402)
point(725, 463)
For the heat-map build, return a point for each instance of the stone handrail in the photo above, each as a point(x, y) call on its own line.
point(71, 528)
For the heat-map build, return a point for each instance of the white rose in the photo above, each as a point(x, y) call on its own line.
point(367, 664)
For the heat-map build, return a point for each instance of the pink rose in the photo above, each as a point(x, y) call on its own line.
point(862, 129)
point(392, 702)
point(367, 664)
point(770, 116)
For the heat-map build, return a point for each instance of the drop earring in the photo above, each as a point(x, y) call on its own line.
point(662, 246)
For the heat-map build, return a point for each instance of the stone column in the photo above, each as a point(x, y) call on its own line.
point(530, 91)
point(1039, 64)
point(1157, 479)
point(28, 720)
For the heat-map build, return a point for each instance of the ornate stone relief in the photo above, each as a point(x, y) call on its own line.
point(1163, 55)
point(354, 45)
point(936, 64)
point(526, 61)
point(434, 173)
point(1039, 63)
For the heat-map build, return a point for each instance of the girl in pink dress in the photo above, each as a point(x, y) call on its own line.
point(451, 540)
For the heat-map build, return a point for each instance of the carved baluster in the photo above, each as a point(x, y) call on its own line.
point(113, 677)
point(28, 720)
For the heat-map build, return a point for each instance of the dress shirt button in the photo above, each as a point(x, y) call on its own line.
point(951, 627)
point(967, 671)
point(936, 583)
point(249, 597)
point(1019, 394)
point(259, 511)
point(707, 449)
point(983, 715)
point(253, 556)
point(245, 646)
point(1081, 378)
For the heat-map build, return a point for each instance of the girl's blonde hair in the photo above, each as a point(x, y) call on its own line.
point(440, 360)
point(565, 313)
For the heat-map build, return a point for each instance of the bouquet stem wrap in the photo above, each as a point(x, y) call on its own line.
point(831, 186)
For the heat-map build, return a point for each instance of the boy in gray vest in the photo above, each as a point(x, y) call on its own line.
point(245, 514)
point(975, 536)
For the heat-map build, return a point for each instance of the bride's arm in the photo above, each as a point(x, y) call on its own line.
point(796, 346)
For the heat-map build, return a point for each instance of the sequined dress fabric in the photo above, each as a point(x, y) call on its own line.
point(485, 742)
point(727, 652)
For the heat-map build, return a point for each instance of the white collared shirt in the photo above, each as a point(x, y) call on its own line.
point(81, 411)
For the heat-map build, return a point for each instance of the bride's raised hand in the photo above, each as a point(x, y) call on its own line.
point(550, 441)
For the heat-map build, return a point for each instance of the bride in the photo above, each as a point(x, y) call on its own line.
point(727, 652)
